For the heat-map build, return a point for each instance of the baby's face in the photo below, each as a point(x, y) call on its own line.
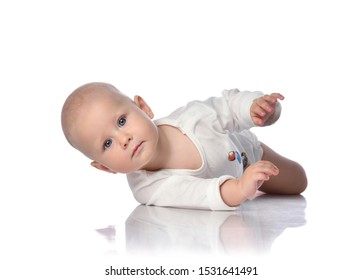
point(116, 133)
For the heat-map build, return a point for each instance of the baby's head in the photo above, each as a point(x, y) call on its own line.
point(111, 129)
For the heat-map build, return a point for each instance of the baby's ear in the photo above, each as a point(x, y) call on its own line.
point(141, 103)
point(102, 167)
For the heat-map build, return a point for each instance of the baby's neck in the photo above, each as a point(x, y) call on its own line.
point(175, 150)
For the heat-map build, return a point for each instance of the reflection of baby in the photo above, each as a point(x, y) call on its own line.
point(159, 230)
point(200, 156)
point(252, 229)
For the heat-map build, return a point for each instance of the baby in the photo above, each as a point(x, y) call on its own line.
point(200, 156)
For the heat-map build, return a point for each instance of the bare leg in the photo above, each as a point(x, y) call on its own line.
point(291, 178)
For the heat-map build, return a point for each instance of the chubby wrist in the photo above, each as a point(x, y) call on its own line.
point(231, 192)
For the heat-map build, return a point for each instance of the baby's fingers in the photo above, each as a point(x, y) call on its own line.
point(264, 105)
point(257, 120)
point(266, 167)
point(272, 98)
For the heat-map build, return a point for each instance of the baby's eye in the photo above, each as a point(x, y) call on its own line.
point(107, 144)
point(122, 121)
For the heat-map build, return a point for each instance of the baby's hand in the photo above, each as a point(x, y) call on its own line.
point(255, 175)
point(263, 108)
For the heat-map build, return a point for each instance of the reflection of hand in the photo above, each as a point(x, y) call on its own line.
point(237, 237)
point(263, 110)
point(255, 175)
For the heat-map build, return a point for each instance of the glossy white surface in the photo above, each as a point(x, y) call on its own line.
point(61, 219)
point(251, 229)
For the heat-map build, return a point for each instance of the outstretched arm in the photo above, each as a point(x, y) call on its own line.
point(236, 191)
point(266, 110)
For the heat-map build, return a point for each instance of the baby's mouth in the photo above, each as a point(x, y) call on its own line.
point(136, 149)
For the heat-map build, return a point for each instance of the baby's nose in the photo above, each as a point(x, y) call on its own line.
point(125, 140)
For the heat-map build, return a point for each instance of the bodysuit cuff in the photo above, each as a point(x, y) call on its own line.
point(214, 195)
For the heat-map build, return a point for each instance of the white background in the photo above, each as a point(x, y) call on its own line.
point(171, 52)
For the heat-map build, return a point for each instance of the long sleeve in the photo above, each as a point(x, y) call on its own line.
point(233, 108)
point(183, 191)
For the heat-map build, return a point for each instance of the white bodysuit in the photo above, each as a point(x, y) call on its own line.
point(217, 126)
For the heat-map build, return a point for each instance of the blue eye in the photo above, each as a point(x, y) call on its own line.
point(122, 121)
point(107, 144)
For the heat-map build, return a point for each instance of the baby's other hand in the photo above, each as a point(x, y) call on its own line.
point(264, 111)
point(255, 175)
